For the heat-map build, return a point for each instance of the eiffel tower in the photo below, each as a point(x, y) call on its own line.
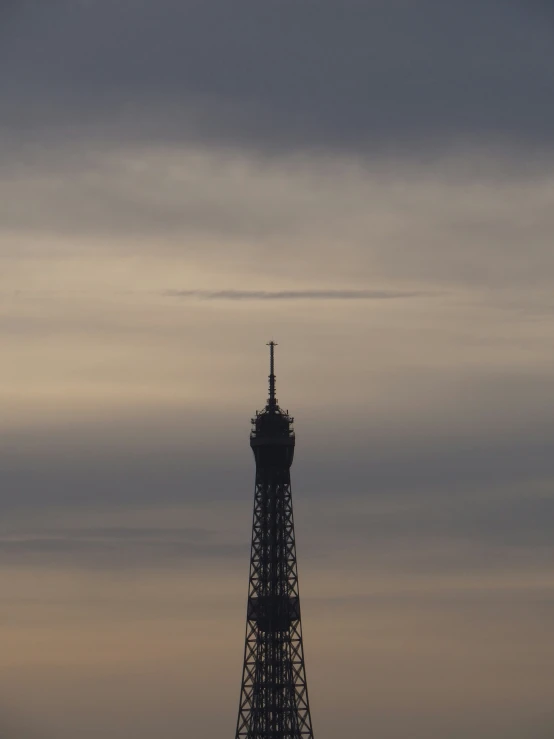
point(274, 693)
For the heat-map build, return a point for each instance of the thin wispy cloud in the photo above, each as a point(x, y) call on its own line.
point(297, 294)
point(116, 547)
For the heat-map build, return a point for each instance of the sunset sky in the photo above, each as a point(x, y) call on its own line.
point(371, 184)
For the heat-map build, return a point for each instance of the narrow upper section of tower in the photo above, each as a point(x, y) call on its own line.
point(272, 436)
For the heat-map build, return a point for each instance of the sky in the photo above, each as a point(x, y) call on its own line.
point(371, 184)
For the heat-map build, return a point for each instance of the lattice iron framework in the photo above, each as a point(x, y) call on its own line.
point(274, 693)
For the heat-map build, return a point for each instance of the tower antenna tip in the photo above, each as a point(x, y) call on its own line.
point(272, 400)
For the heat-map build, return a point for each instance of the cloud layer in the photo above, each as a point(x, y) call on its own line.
point(282, 74)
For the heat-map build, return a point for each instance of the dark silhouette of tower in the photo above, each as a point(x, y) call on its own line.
point(274, 693)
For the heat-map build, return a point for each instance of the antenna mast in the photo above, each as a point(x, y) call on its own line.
point(272, 402)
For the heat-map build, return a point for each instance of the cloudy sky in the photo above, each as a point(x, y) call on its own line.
point(369, 182)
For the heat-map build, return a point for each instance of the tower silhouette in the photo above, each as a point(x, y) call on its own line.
point(274, 693)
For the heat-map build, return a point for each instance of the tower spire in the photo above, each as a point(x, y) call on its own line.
point(272, 401)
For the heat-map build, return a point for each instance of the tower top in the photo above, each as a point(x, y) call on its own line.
point(272, 435)
point(272, 400)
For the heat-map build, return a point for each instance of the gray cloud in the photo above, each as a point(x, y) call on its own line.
point(295, 294)
point(283, 74)
point(138, 461)
point(475, 528)
point(115, 547)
